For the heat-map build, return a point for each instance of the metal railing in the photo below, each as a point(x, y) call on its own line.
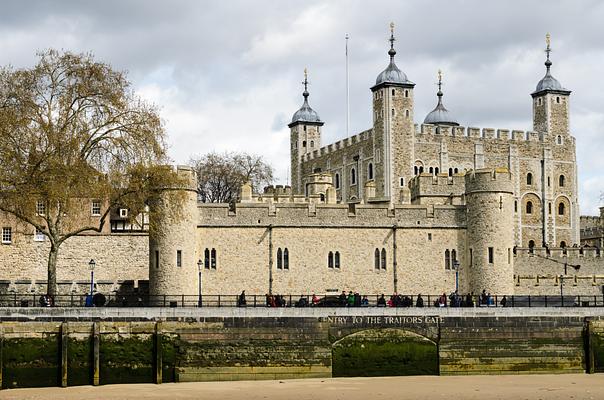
point(118, 300)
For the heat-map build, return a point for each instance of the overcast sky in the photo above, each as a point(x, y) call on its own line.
point(226, 74)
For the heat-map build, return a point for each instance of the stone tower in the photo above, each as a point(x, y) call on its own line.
point(490, 231)
point(550, 102)
point(393, 129)
point(305, 137)
point(172, 242)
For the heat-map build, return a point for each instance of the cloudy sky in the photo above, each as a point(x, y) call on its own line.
point(227, 74)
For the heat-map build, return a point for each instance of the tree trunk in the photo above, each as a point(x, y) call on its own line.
point(51, 288)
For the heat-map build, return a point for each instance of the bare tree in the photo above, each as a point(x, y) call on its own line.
point(72, 134)
point(220, 176)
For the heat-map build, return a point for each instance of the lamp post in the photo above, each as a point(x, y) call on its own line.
point(576, 267)
point(456, 267)
point(199, 267)
point(91, 265)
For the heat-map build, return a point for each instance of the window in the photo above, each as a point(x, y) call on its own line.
point(421, 170)
point(558, 99)
point(540, 101)
point(453, 257)
point(471, 257)
point(402, 181)
point(407, 113)
point(491, 255)
point(279, 259)
point(376, 263)
point(429, 237)
point(156, 258)
point(286, 259)
point(384, 259)
point(39, 236)
point(392, 112)
point(312, 143)
point(123, 212)
point(436, 171)
point(337, 179)
point(515, 205)
point(529, 179)
point(549, 208)
point(447, 259)
point(40, 208)
point(213, 258)
point(392, 92)
point(304, 143)
point(304, 128)
point(337, 260)
point(529, 207)
point(415, 170)
point(353, 176)
point(450, 171)
point(559, 139)
point(531, 245)
point(431, 170)
point(561, 209)
point(206, 259)
point(96, 208)
point(456, 171)
point(563, 244)
point(509, 255)
point(370, 171)
point(330, 260)
point(561, 181)
point(179, 258)
point(7, 235)
point(549, 182)
point(406, 93)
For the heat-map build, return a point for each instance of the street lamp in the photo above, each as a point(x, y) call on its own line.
point(91, 265)
point(199, 267)
point(576, 267)
point(456, 267)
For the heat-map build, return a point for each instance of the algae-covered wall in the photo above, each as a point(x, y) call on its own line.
point(93, 351)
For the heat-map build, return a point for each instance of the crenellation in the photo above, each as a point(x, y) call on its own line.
point(503, 134)
point(488, 133)
point(474, 132)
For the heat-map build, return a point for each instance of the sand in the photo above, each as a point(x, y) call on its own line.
point(509, 387)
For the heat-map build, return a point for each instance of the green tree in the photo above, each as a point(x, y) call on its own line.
point(73, 132)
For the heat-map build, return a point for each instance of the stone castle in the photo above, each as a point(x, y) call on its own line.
point(399, 207)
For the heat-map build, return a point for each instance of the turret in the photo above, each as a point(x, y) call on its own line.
point(490, 231)
point(305, 136)
point(393, 128)
point(550, 102)
point(172, 240)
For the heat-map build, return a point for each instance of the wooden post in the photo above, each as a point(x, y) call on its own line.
point(64, 342)
point(96, 352)
point(158, 353)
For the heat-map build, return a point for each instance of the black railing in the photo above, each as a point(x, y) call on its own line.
point(253, 301)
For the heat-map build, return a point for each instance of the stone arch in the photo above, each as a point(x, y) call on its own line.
point(562, 211)
point(384, 352)
point(534, 217)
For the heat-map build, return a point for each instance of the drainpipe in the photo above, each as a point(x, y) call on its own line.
point(394, 263)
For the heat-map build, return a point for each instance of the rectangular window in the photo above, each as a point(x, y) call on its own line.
point(96, 208)
point(7, 235)
point(491, 255)
point(471, 258)
point(39, 236)
point(156, 258)
point(123, 212)
point(429, 237)
point(509, 255)
point(179, 258)
point(40, 208)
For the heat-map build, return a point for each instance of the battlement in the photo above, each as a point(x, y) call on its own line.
point(489, 180)
point(427, 188)
point(480, 133)
point(339, 145)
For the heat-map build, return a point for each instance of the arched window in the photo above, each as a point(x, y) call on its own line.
point(206, 258)
point(531, 245)
point(431, 170)
point(415, 170)
point(558, 99)
point(330, 260)
point(453, 257)
point(402, 182)
point(421, 170)
point(515, 205)
point(213, 259)
point(312, 143)
point(392, 92)
point(377, 259)
point(337, 179)
point(561, 181)
point(447, 259)
point(529, 207)
point(286, 259)
point(559, 139)
point(561, 209)
point(304, 143)
point(407, 113)
point(353, 176)
point(529, 179)
point(436, 171)
point(336, 263)
point(406, 93)
point(370, 171)
point(392, 112)
point(456, 171)
point(279, 259)
point(563, 244)
point(450, 171)
point(383, 259)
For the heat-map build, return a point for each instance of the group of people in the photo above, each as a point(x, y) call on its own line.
point(455, 300)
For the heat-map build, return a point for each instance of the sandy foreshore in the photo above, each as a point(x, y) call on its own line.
point(509, 387)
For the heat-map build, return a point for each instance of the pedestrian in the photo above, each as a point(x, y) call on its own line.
point(504, 301)
point(420, 301)
point(241, 302)
point(381, 301)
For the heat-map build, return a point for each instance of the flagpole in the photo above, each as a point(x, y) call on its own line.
point(347, 91)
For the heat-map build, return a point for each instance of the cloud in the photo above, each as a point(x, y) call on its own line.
point(227, 74)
